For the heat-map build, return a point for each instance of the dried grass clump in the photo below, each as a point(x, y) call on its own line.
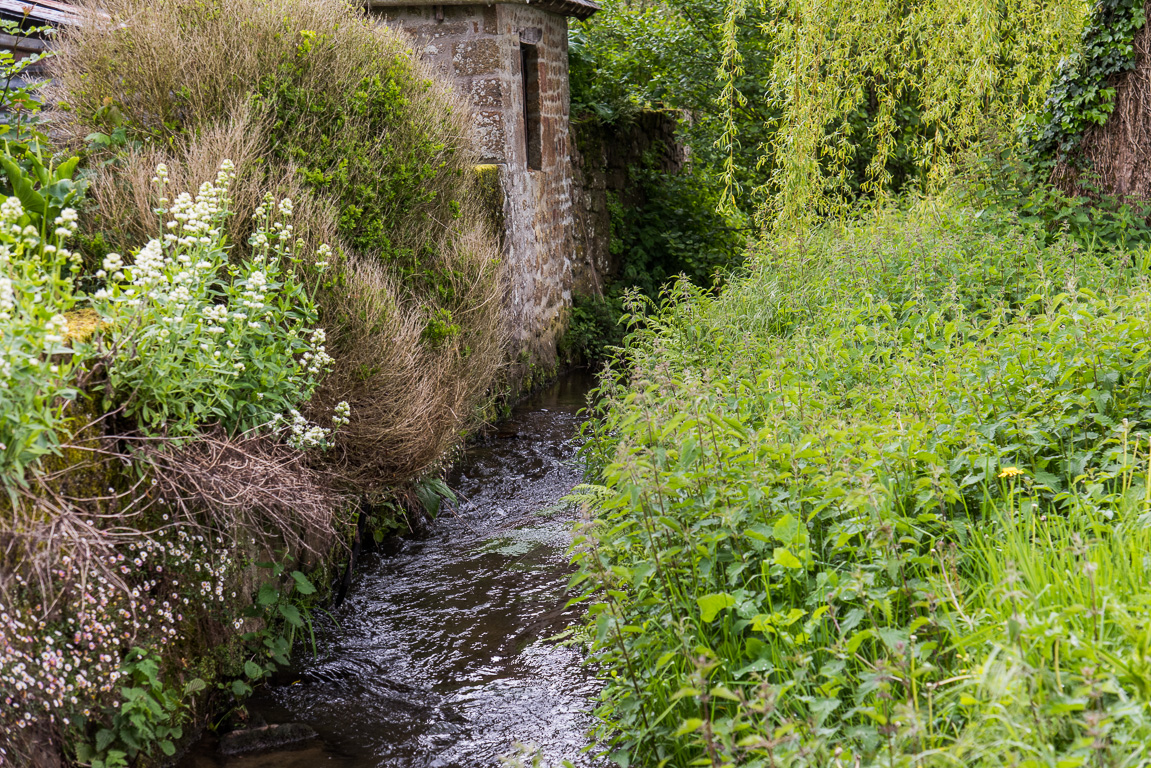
point(252, 486)
point(1117, 154)
point(190, 80)
point(412, 400)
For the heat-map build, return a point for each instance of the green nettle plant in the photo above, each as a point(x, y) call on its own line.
point(196, 340)
point(885, 501)
point(148, 716)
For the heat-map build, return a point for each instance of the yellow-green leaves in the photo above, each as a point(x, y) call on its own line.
point(782, 556)
point(711, 605)
point(879, 83)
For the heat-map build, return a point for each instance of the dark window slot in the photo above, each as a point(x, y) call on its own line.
point(533, 128)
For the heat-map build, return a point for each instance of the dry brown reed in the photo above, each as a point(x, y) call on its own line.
point(251, 486)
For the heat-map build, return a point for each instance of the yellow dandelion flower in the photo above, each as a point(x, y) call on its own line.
point(1010, 472)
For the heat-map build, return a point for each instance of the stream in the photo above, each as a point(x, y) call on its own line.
point(440, 656)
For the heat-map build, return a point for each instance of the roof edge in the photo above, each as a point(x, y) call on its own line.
point(42, 11)
point(580, 9)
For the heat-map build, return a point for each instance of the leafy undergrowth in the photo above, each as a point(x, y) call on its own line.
point(884, 501)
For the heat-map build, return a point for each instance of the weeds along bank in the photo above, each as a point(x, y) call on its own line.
point(885, 501)
point(244, 292)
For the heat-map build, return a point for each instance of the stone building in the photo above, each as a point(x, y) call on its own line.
point(510, 61)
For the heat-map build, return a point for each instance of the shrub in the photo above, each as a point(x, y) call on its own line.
point(37, 293)
point(672, 229)
point(314, 101)
point(880, 503)
point(593, 330)
point(195, 341)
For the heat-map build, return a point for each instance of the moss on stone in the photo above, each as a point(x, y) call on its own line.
point(82, 323)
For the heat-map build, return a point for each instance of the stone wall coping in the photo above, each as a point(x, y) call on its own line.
point(581, 9)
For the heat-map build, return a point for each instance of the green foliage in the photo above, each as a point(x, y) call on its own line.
point(930, 77)
point(432, 492)
point(671, 225)
point(1007, 186)
point(593, 329)
point(882, 502)
point(37, 291)
point(280, 609)
point(440, 328)
point(333, 138)
point(37, 273)
point(20, 105)
point(664, 56)
point(674, 228)
point(195, 340)
point(148, 716)
point(1082, 95)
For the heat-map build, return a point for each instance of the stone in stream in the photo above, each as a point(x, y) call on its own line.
point(264, 737)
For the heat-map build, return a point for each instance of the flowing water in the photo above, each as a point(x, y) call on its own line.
point(441, 656)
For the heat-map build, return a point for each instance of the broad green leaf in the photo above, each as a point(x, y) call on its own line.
point(783, 556)
point(711, 605)
point(786, 529)
point(291, 614)
point(303, 585)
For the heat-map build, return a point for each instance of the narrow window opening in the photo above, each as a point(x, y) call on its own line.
point(533, 138)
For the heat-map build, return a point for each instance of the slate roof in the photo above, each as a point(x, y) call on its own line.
point(580, 9)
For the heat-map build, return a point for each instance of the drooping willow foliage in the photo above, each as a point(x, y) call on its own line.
point(855, 81)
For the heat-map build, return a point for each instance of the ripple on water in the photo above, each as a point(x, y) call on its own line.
point(439, 657)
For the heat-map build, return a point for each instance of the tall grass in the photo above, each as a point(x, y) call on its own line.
point(883, 502)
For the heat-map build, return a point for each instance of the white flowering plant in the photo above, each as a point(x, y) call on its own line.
point(37, 293)
point(197, 340)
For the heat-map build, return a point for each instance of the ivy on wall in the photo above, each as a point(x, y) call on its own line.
point(1082, 94)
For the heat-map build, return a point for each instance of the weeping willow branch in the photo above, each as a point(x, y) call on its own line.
point(856, 79)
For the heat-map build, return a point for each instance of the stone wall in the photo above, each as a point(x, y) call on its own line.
point(478, 47)
point(602, 156)
point(555, 220)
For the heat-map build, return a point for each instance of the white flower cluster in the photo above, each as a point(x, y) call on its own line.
point(323, 257)
point(215, 316)
point(66, 224)
point(56, 329)
point(29, 237)
point(252, 299)
point(317, 360)
point(194, 220)
point(303, 435)
point(10, 212)
point(341, 415)
point(7, 298)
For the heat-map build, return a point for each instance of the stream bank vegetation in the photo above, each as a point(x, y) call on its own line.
point(245, 295)
point(885, 498)
point(885, 501)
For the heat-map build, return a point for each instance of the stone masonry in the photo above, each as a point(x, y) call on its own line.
point(510, 61)
point(603, 156)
